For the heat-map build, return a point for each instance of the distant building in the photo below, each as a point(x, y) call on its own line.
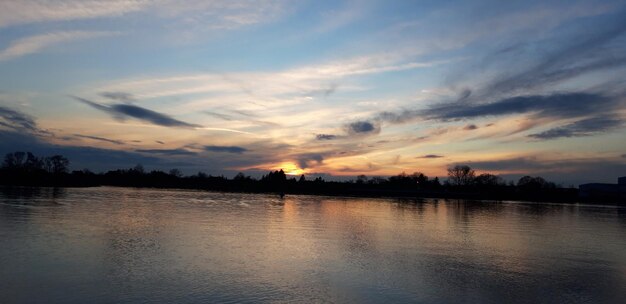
point(602, 191)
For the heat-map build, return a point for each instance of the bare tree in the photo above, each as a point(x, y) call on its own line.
point(57, 164)
point(461, 175)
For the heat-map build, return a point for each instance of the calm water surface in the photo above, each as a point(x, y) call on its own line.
point(116, 245)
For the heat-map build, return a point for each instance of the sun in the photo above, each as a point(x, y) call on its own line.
point(291, 168)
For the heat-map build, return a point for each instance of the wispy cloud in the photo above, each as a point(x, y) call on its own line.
point(113, 141)
point(35, 44)
point(17, 120)
point(31, 11)
point(170, 152)
point(325, 136)
point(118, 96)
point(585, 127)
point(192, 15)
point(21, 122)
point(559, 105)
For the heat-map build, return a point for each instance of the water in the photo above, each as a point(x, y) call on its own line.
point(117, 245)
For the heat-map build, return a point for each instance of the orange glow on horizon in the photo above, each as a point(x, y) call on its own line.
point(291, 168)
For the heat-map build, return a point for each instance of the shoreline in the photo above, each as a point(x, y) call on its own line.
point(358, 193)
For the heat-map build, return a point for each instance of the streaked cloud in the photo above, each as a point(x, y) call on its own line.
point(171, 152)
point(37, 43)
point(16, 120)
point(585, 127)
point(118, 96)
point(98, 138)
point(225, 149)
point(123, 111)
point(31, 11)
point(558, 105)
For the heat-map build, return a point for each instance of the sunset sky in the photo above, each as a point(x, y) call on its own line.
point(332, 88)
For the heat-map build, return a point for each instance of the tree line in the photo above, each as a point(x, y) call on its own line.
point(26, 169)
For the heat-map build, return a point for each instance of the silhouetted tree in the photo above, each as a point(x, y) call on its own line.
point(176, 173)
point(138, 169)
point(13, 160)
point(461, 175)
point(57, 164)
point(488, 180)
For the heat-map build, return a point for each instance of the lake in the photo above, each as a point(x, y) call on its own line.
point(124, 245)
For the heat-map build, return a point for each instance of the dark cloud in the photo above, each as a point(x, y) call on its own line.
point(519, 163)
point(309, 159)
point(325, 136)
point(225, 149)
point(430, 156)
point(567, 171)
point(623, 155)
point(577, 56)
point(171, 152)
point(118, 96)
point(100, 159)
point(470, 127)
point(117, 142)
point(362, 127)
point(159, 142)
point(96, 159)
point(559, 105)
point(17, 120)
point(598, 48)
point(122, 111)
point(585, 127)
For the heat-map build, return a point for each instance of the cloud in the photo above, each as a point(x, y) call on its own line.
point(231, 118)
point(118, 96)
point(225, 149)
point(430, 156)
point(558, 105)
point(585, 127)
point(219, 115)
point(325, 136)
point(470, 127)
point(34, 44)
point(623, 155)
point(564, 170)
point(187, 16)
point(121, 111)
point(159, 142)
point(309, 159)
point(17, 120)
point(586, 54)
point(31, 11)
point(80, 157)
point(117, 142)
point(517, 91)
point(362, 127)
point(171, 152)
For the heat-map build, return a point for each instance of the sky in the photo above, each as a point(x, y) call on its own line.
point(321, 88)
